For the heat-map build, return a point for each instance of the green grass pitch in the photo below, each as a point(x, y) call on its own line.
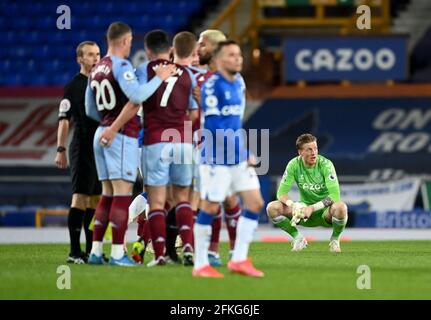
point(399, 270)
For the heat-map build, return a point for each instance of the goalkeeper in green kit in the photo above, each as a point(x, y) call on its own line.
point(320, 204)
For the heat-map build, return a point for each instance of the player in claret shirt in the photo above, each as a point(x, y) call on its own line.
point(167, 146)
point(319, 190)
point(112, 90)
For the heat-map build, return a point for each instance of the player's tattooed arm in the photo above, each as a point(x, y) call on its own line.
point(327, 202)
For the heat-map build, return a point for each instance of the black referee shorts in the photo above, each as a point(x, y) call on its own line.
point(83, 168)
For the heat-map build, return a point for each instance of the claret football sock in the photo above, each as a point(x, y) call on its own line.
point(215, 232)
point(143, 231)
point(101, 217)
point(232, 215)
point(157, 221)
point(118, 217)
point(184, 219)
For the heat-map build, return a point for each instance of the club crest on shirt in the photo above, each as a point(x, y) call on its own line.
point(128, 75)
point(211, 101)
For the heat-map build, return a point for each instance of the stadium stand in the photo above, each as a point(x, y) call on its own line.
point(35, 53)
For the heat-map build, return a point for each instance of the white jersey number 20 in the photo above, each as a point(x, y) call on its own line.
point(101, 89)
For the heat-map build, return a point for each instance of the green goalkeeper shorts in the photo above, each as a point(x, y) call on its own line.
point(317, 219)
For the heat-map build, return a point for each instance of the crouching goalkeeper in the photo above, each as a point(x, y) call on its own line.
point(319, 190)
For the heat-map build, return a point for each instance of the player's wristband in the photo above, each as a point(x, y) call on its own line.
point(318, 205)
point(327, 202)
point(288, 202)
point(61, 149)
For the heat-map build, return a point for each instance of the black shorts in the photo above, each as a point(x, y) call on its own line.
point(83, 168)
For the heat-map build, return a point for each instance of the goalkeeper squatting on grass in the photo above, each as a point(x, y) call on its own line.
point(319, 192)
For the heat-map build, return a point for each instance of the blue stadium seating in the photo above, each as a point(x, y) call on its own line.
point(30, 39)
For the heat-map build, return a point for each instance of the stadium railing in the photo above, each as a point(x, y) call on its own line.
point(322, 17)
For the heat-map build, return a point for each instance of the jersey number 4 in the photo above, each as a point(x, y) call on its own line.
point(169, 87)
point(101, 89)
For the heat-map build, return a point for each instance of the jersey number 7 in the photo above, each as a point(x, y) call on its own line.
point(169, 87)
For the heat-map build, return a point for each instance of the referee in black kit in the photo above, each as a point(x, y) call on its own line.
point(85, 184)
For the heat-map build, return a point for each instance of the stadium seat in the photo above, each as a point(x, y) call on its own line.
point(22, 51)
point(41, 52)
point(31, 38)
point(5, 65)
point(39, 79)
point(7, 38)
point(28, 33)
point(3, 23)
point(32, 9)
point(84, 8)
point(21, 23)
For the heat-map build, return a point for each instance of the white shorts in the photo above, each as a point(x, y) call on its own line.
point(217, 182)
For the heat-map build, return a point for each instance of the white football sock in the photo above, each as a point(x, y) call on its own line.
point(97, 248)
point(117, 251)
point(244, 235)
point(202, 234)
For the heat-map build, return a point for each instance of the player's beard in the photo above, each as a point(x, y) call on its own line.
point(204, 60)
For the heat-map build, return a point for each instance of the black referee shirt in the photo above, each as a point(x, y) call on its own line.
point(73, 106)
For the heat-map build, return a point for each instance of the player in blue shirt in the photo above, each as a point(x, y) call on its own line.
point(225, 163)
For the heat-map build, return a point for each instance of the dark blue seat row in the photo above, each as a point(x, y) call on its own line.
point(35, 52)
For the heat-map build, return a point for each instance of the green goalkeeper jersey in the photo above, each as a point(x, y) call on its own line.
point(315, 184)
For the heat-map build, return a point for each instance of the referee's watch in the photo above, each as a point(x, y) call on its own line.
point(61, 149)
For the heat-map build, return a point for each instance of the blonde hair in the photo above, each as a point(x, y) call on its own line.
point(214, 36)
